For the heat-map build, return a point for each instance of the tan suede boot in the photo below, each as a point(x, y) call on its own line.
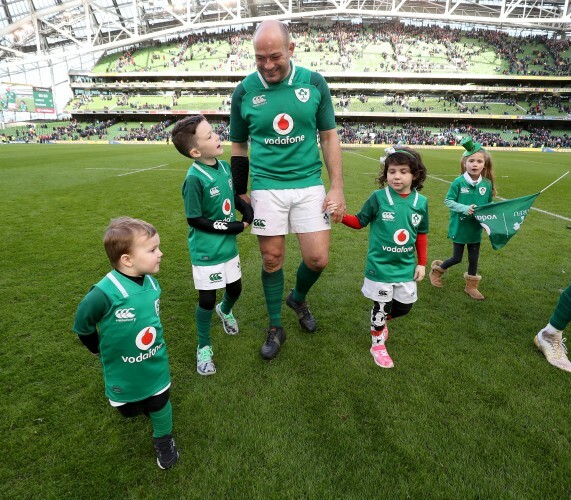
point(472, 286)
point(436, 273)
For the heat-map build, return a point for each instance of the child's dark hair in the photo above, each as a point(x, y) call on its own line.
point(404, 156)
point(183, 134)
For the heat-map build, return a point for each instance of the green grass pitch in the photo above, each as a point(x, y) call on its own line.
point(470, 410)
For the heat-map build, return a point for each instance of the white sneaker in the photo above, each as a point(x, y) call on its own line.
point(229, 322)
point(554, 349)
point(204, 363)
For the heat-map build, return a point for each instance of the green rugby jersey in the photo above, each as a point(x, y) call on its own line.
point(395, 222)
point(465, 228)
point(132, 349)
point(282, 121)
point(208, 192)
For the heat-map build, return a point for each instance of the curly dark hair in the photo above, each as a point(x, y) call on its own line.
point(404, 156)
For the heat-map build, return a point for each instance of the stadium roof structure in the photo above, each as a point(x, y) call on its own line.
point(36, 30)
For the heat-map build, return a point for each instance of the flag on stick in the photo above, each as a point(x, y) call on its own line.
point(503, 219)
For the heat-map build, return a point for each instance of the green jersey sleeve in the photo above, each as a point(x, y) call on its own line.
point(238, 126)
point(368, 211)
point(90, 311)
point(325, 112)
point(192, 196)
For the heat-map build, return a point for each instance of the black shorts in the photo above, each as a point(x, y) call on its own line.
point(145, 406)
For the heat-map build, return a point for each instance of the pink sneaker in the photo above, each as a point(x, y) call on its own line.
point(381, 356)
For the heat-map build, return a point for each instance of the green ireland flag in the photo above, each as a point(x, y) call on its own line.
point(503, 219)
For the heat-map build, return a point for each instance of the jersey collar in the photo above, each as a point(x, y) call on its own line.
point(289, 78)
point(388, 191)
point(470, 181)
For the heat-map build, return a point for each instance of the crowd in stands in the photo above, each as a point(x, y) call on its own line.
point(349, 133)
point(155, 132)
point(389, 47)
point(446, 135)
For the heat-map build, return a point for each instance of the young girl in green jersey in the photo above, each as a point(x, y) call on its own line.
point(398, 215)
point(473, 188)
point(210, 205)
point(118, 321)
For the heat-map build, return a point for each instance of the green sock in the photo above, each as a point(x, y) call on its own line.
point(562, 312)
point(273, 285)
point(305, 279)
point(162, 421)
point(227, 303)
point(203, 325)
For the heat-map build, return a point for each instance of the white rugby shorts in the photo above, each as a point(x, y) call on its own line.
point(404, 292)
point(284, 211)
point(218, 275)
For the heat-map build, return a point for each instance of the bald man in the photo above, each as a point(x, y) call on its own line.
point(282, 108)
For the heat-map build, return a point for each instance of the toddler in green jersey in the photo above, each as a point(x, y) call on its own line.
point(118, 320)
point(473, 188)
point(210, 206)
point(398, 215)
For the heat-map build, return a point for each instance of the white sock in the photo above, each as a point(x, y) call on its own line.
point(552, 331)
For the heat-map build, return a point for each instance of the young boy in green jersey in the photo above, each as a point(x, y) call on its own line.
point(210, 205)
point(118, 321)
point(398, 215)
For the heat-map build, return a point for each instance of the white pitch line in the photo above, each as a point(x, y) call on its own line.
point(499, 197)
point(142, 170)
point(129, 169)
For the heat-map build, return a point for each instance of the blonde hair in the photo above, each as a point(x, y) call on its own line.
point(488, 171)
point(120, 235)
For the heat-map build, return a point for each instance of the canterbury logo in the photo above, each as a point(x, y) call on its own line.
point(125, 313)
point(259, 99)
point(215, 277)
point(259, 223)
point(220, 225)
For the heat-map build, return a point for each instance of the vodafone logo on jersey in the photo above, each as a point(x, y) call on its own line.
point(401, 236)
point(283, 124)
point(146, 338)
point(226, 206)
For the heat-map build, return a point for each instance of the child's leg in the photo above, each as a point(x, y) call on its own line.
point(159, 409)
point(204, 311)
point(457, 255)
point(379, 316)
point(473, 257)
point(379, 334)
point(130, 410)
point(231, 295)
point(224, 309)
point(399, 309)
point(471, 277)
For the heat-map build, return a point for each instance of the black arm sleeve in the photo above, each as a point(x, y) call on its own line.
point(91, 341)
point(215, 226)
point(240, 166)
point(245, 209)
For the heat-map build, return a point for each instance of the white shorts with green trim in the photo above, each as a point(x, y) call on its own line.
point(404, 292)
point(284, 211)
point(218, 275)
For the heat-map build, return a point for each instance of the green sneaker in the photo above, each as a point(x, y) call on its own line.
point(204, 363)
point(229, 322)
